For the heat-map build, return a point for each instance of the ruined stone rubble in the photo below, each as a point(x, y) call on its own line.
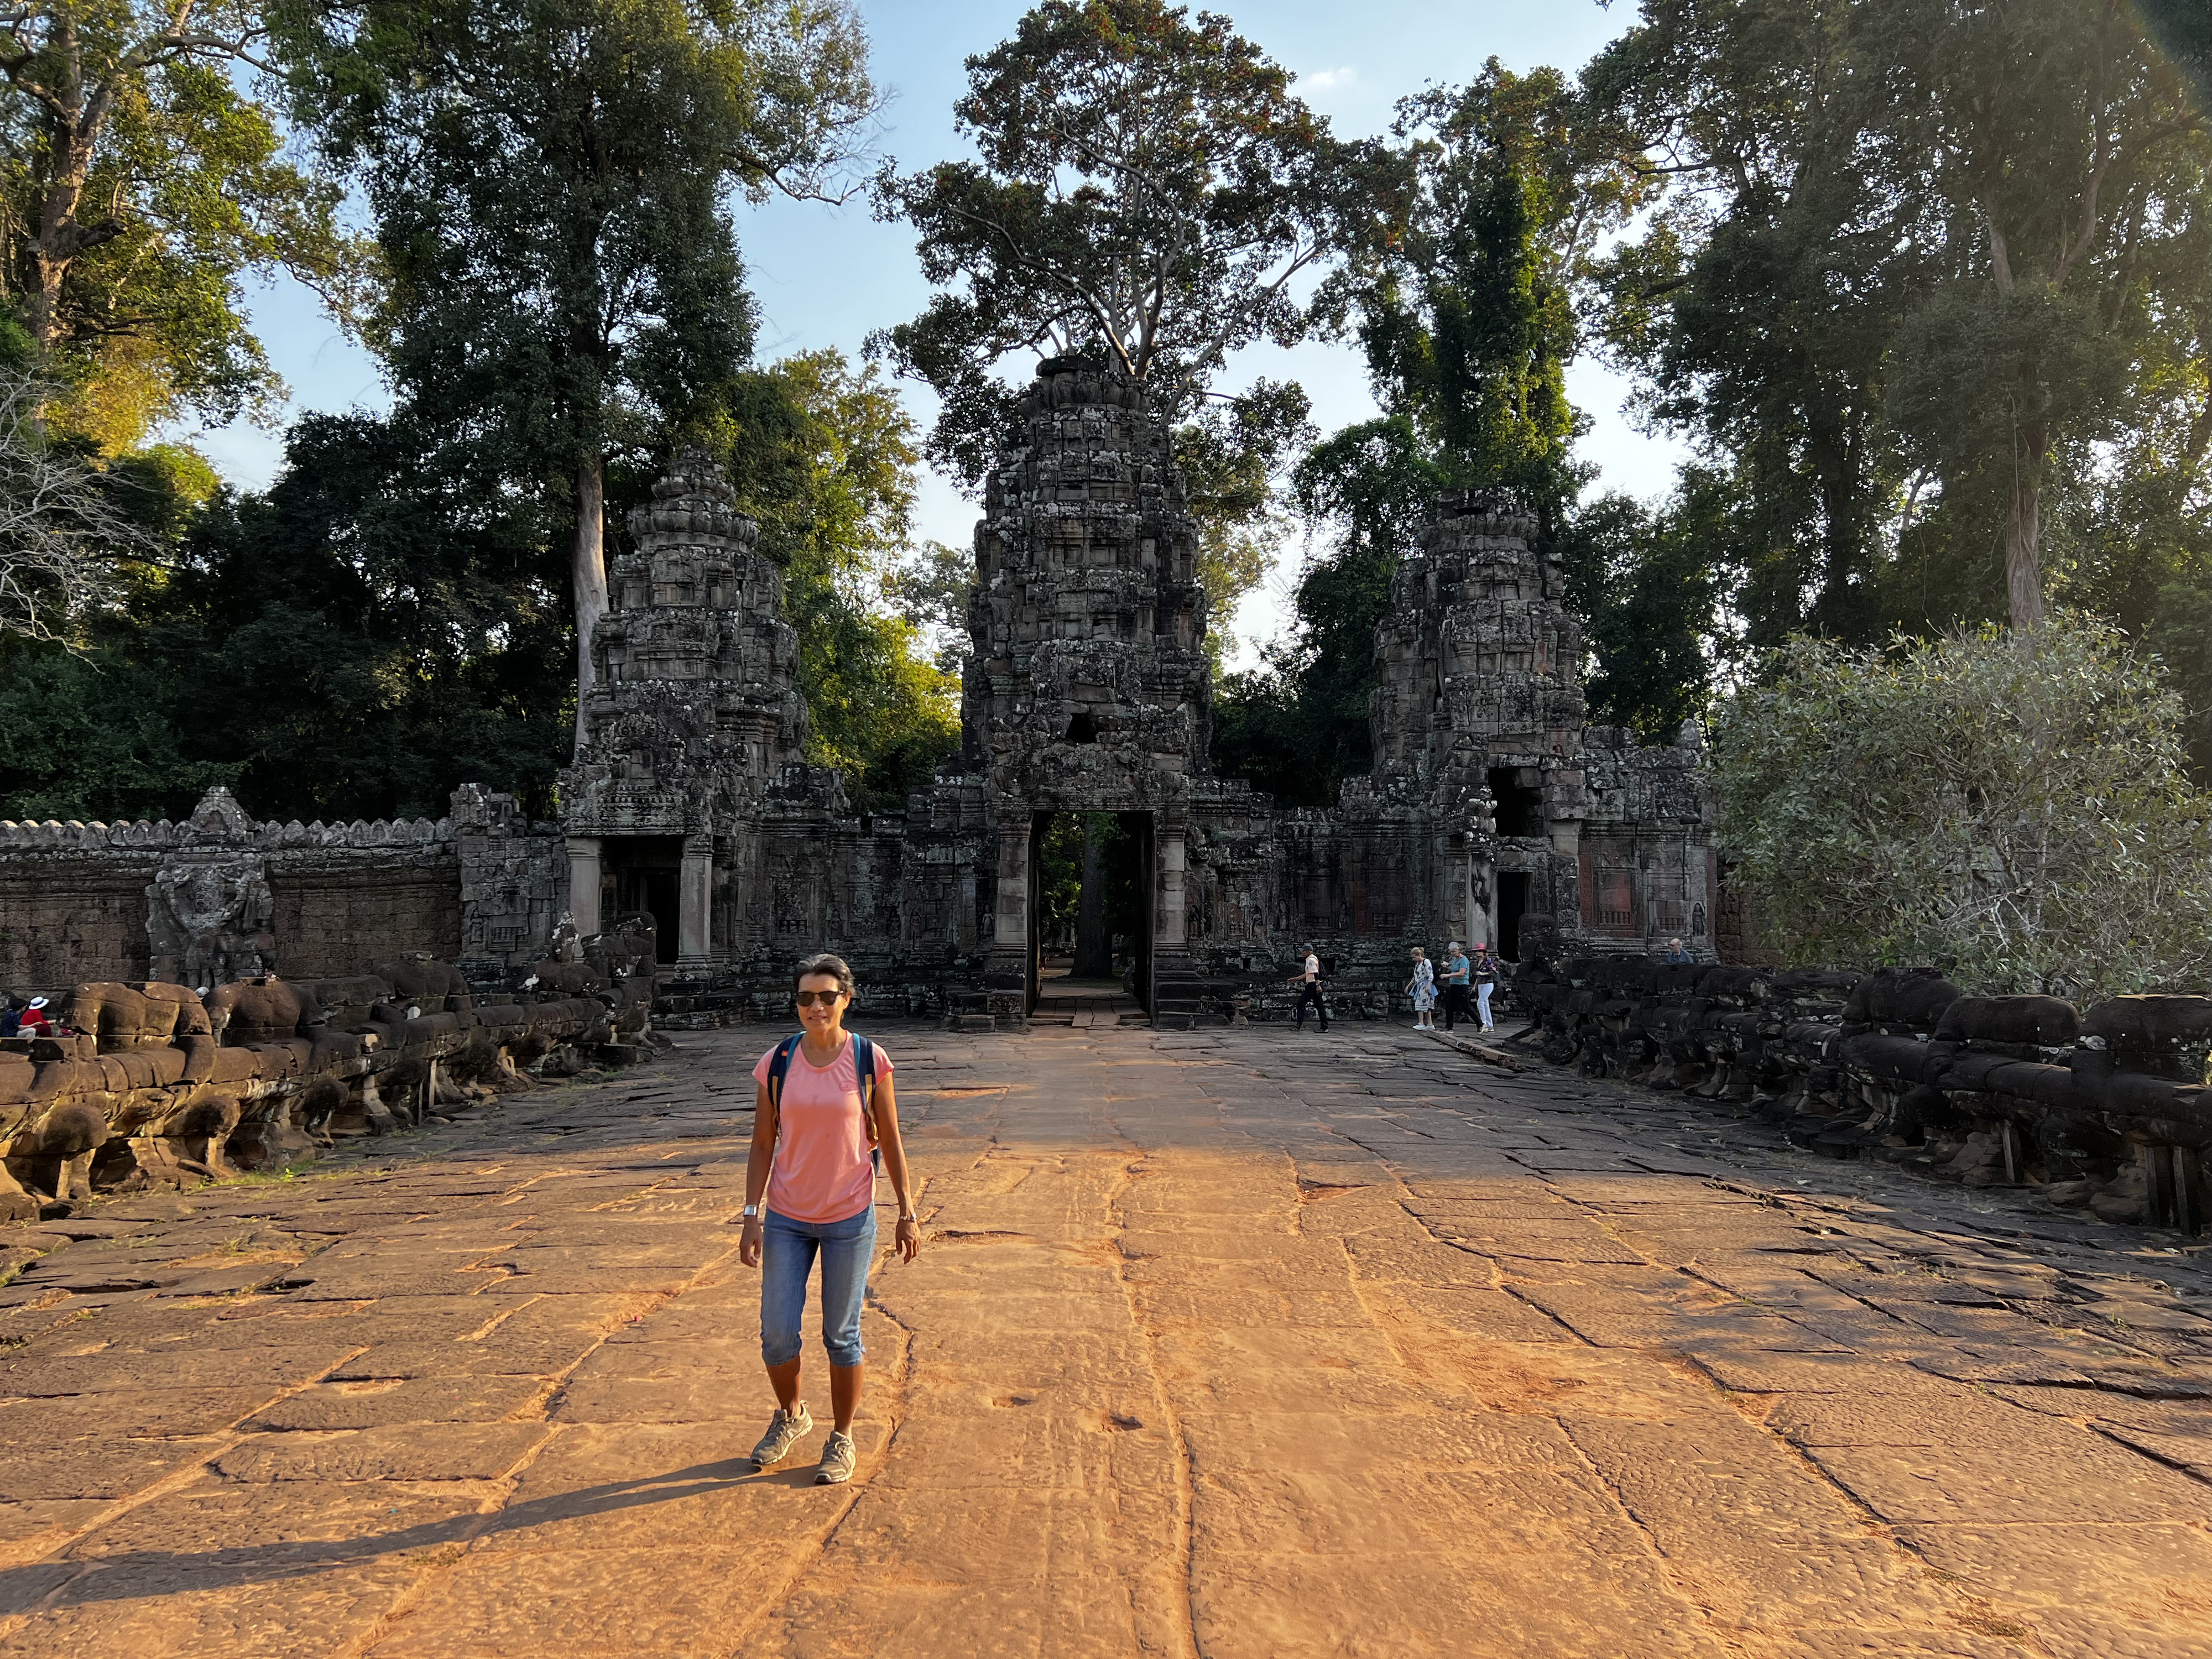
point(2105, 1109)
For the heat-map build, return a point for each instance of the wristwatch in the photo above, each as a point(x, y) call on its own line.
point(750, 1212)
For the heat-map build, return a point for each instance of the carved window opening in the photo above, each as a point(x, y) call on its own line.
point(1519, 793)
point(1082, 728)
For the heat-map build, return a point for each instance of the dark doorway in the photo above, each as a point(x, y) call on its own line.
point(1090, 905)
point(1519, 793)
point(1512, 905)
point(643, 875)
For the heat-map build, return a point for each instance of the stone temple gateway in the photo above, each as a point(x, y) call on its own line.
point(1493, 812)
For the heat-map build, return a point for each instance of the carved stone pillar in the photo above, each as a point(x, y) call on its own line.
point(584, 883)
point(694, 903)
point(1173, 861)
point(1010, 931)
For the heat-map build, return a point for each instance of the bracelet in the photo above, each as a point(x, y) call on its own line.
point(915, 1219)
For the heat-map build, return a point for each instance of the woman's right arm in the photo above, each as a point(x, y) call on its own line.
point(756, 1169)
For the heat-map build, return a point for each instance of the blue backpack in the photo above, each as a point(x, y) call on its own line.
point(864, 1067)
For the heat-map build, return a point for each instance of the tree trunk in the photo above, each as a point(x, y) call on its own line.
point(58, 239)
point(1094, 942)
point(2024, 531)
point(589, 572)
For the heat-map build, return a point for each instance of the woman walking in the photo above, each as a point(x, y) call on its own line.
point(1486, 981)
point(1422, 988)
point(814, 1119)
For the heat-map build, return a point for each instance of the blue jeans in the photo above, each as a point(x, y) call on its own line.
point(788, 1251)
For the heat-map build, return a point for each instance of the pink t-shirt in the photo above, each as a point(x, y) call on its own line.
point(822, 1171)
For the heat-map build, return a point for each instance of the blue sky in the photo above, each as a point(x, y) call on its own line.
point(824, 277)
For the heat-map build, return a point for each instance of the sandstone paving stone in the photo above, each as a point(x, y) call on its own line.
point(100, 1466)
point(419, 1451)
point(27, 1523)
point(187, 1612)
point(386, 1404)
point(133, 1413)
point(2092, 1481)
point(304, 1524)
point(2131, 1591)
point(181, 1366)
point(677, 1600)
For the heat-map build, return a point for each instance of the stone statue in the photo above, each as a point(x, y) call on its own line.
point(209, 913)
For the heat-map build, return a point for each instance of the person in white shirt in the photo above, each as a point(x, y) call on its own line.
point(1308, 981)
point(1422, 988)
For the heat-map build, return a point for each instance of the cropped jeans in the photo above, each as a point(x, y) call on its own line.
point(788, 1251)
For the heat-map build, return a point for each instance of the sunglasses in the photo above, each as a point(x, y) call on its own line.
point(822, 999)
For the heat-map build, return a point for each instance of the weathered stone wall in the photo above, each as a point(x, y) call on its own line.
point(72, 908)
point(222, 896)
point(343, 918)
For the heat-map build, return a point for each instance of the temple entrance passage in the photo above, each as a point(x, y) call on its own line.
point(643, 874)
point(1512, 905)
point(1091, 906)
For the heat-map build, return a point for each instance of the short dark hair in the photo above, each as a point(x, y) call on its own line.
point(825, 963)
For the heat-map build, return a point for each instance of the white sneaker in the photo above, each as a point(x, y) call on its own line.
point(838, 1458)
point(785, 1430)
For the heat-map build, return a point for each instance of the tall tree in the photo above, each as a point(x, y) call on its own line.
point(1149, 191)
point(1480, 226)
point(1905, 265)
point(825, 457)
point(1465, 301)
point(551, 182)
point(140, 183)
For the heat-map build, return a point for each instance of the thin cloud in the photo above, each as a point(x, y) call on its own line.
point(1325, 79)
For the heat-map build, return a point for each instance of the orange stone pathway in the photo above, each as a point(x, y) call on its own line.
point(1233, 1343)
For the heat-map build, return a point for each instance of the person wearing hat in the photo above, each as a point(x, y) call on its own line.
point(34, 1021)
point(1484, 976)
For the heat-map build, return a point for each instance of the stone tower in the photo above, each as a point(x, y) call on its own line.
point(1541, 826)
point(1088, 689)
point(695, 712)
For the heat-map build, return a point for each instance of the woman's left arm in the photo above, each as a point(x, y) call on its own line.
point(909, 1231)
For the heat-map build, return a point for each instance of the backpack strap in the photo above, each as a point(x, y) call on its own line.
point(780, 1069)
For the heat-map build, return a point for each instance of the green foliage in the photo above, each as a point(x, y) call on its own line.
point(1060, 880)
point(93, 736)
point(1299, 726)
point(1148, 193)
point(1649, 581)
point(1901, 291)
point(139, 183)
point(547, 182)
point(1147, 190)
point(2020, 815)
point(1464, 307)
point(930, 587)
point(378, 628)
point(825, 457)
point(1232, 453)
point(1498, 195)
